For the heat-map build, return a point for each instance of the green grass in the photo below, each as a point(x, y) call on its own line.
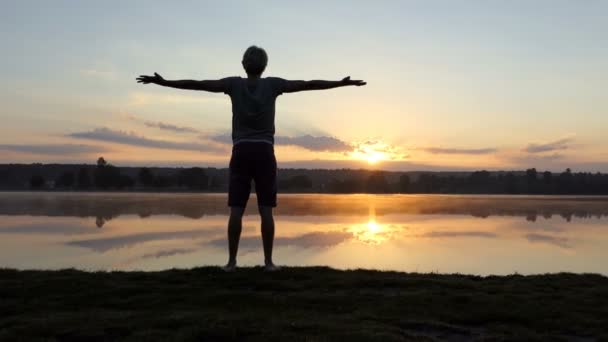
point(298, 304)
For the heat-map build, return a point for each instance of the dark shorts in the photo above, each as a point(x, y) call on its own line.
point(252, 161)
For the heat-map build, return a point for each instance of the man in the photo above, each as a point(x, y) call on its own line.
point(253, 107)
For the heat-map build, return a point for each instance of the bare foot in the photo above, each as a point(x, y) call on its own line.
point(270, 267)
point(230, 267)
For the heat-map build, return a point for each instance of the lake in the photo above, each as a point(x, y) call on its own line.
point(414, 233)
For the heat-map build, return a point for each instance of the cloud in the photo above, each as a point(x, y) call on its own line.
point(47, 228)
point(315, 239)
point(315, 143)
point(309, 142)
point(105, 244)
point(447, 150)
point(170, 127)
point(376, 150)
point(542, 160)
point(168, 253)
point(220, 138)
point(165, 126)
point(53, 149)
point(557, 145)
point(308, 240)
point(436, 234)
point(552, 240)
point(386, 165)
point(130, 138)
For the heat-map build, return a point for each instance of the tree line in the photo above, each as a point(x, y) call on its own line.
point(481, 182)
point(105, 176)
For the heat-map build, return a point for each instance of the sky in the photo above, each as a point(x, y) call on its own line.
point(466, 85)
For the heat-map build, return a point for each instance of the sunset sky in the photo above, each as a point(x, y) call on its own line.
point(452, 85)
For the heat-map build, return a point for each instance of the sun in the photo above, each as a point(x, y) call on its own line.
point(373, 157)
point(370, 155)
point(373, 227)
point(376, 151)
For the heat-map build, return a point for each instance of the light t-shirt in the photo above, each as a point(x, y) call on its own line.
point(253, 108)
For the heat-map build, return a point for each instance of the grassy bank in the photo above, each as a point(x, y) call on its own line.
point(313, 304)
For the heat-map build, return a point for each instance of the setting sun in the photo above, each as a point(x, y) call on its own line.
point(373, 227)
point(372, 232)
point(373, 158)
point(375, 151)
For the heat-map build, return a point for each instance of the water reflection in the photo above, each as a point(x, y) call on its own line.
point(433, 234)
point(312, 240)
point(409, 233)
point(561, 242)
point(107, 206)
point(106, 244)
point(374, 233)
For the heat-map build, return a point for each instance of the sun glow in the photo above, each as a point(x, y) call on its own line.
point(376, 151)
point(374, 233)
point(374, 158)
point(373, 227)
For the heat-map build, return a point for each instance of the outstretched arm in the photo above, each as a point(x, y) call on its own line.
point(216, 86)
point(294, 86)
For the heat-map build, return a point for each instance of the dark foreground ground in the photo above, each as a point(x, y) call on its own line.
point(297, 304)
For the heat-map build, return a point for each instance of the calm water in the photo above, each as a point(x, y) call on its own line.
point(465, 234)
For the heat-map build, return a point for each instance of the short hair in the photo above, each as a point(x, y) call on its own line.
point(255, 60)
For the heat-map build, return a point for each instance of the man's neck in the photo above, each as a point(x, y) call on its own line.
point(253, 77)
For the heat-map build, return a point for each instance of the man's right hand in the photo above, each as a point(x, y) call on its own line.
point(348, 82)
point(156, 79)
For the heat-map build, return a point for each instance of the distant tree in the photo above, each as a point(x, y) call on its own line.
point(427, 183)
point(404, 184)
point(547, 177)
point(547, 183)
point(480, 177)
point(480, 182)
point(531, 180)
point(376, 183)
point(106, 175)
point(65, 180)
point(37, 181)
point(301, 181)
point(511, 183)
point(83, 180)
point(146, 177)
point(193, 178)
point(101, 162)
point(565, 182)
point(352, 185)
point(347, 186)
point(125, 181)
point(163, 181)
point(216, 182)
point(582, 183)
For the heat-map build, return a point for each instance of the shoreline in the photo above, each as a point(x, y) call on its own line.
point(289, 193)
point(317, 303)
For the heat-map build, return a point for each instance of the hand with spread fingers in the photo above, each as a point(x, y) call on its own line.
point(347, 81)
point(156, 79)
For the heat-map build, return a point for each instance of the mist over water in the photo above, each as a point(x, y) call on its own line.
point(414, 233)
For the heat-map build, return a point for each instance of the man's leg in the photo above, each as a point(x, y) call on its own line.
point(267, 236)
point(238, 195)
point(265, 177)
point(235, 226)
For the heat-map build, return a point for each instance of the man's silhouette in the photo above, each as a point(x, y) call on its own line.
point(253, 107)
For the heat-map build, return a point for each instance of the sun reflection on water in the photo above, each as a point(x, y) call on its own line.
point(374, 233)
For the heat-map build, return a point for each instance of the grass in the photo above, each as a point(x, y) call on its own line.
point(299, 304)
